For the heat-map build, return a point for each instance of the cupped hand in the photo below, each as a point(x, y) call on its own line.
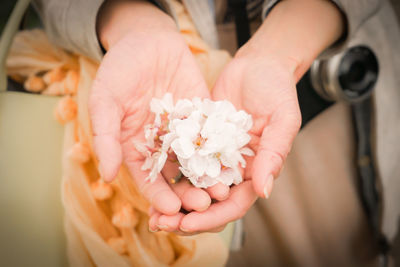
point(265, 88)
point(136, 69)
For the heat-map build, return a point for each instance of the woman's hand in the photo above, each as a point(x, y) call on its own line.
point(261, 80)
point(264, 87)
point(146, 58)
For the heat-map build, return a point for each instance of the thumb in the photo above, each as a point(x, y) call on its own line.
point(106, 116)
point(274, 146)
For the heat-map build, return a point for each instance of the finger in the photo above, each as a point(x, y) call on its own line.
point(170, 223)
point(170, 170)
point(153, 221)
point(274, 146)
point(192, 198)
point(214, 230)
point(158, 193)
point(218, 214)
point(106, 116)
point(218, 229)
point(151, 211)
point(218, 192)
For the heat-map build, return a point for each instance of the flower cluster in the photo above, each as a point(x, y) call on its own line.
point(207, 138)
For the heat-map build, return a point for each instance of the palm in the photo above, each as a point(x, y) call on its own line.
point(266, 90)
point(135, 70)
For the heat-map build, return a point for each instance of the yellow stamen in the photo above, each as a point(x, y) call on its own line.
point(199, 141)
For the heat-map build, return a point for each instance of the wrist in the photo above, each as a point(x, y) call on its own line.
point(118, 18)
point(295, 33)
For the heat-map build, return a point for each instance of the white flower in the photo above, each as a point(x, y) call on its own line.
point(187, 132)
point(150, 133)
point(153, 161)
point(183, 109)
point(230, 176)
point(161, 106)
point(200, 165)
point(203, 181)
point(242, 120)
point(208, 139)
point(155, 164)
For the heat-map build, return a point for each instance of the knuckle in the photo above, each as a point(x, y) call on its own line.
point(275, 157)
point(241, 210)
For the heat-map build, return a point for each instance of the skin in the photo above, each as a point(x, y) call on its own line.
point(143, 60)
point(260, 79)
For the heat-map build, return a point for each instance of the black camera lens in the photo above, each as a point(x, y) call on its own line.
point(358, 72)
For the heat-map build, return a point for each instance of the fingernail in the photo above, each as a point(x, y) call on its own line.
point(268, 186)
point(183, 229)
point(162, 227)
point(101, 173)
point(203, 208)
point(153, 230)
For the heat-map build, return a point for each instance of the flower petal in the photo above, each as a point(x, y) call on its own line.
point(188, 128)
point(183, 108)
point(211, 126)
point(213, 167)
point(208, 107)
point(167, 103)
point(152, 175)
point(213, 144)
point(156, 106)
point(226, 177)
point(237, 177)
point(185, 172)
point(247, 151)
point(227, 160)
point(183, 162)
point(242, 120)
point(167, 141)
point(197, 164)
point(242, 139)
point(148, 162)
point(183, 147)
point(241, 160)
point(162, 158)
point(230, 176)
point(203, 181)
point(224, 108)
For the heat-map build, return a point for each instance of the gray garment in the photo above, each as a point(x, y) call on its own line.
point(356, 12)
point(71, 24)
